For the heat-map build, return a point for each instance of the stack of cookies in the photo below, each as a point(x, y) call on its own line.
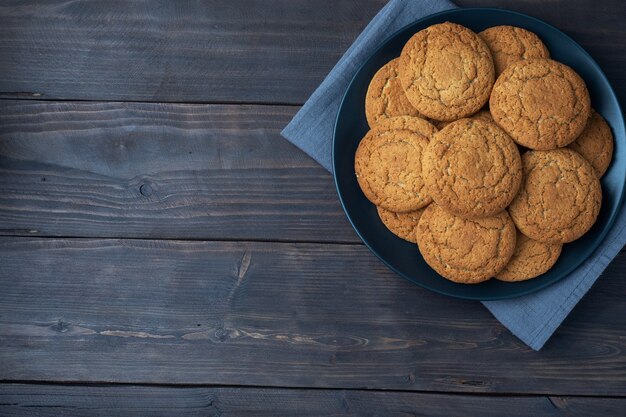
point(483, 151)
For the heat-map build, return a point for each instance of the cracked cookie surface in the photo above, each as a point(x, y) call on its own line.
point(530, 259)
point(412, 123)
point(385, 96)
point(403, 225)
point(541, 103)
point(509, 44)
point(595, 144)
point(560, 196)
point(446, 71)
point(465, 251)
point(388, 166)
point(472, 168)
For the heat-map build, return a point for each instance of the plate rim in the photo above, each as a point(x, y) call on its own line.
point(374, 53)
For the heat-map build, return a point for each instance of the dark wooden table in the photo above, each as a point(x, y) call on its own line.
point(165, 252)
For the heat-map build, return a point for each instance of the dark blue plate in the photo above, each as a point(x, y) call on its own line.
point(404, 257)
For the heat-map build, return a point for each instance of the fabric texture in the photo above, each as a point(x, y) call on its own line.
point(532, 318)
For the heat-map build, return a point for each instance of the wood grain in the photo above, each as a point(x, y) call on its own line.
point(271, 314)
point(157, 50)
point(50, 400)
point(235, 51)
point(161, 171)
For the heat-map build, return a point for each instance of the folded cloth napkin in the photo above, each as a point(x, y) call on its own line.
point(532, 318)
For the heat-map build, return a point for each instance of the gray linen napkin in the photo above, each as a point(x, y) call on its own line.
point(532, 318)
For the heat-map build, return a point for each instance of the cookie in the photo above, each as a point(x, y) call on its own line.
point(472, 168)
point(541, 103)
point(560, 196)
point(446, 71)
point(509, 44)
point(595, 144)
point(385, 97)
point(389, 169)
point(465, 251)
point(403, 225)
point(530, 259)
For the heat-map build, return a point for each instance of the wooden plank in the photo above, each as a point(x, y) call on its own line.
point(272, 314)
point(55, 400)
point(157, 50)
point(216, 51)
point(161, 171)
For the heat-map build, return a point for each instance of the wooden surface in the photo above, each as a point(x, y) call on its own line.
point(146, 311)
point(264, 51)
point(164, 251)
point(161, 171)
point(122, 401)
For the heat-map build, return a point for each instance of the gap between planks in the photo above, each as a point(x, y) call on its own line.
point(28, 96)
point(108, 384)
point(23, 234)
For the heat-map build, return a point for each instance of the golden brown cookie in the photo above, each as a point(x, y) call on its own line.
point(560, 196)
point(385, 97)
point(465, 251)
point(530, 259)
point(403, 225)
point(472, 168)
point(509, 44)
point(595, 144)
point(389, 169)
point(541, 103)
point(446, 71)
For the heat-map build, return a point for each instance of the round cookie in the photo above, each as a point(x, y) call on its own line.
point(560, 196)
point(595, 144)
point(465, 251)
point(530, 259)
point(446, 71)
point(388, 167)
point(509, 44)
point(385, 97)
point(472, 168)
point(403, 225)
point(541, 103)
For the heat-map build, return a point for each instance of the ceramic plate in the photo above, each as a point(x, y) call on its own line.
point(404, 257)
